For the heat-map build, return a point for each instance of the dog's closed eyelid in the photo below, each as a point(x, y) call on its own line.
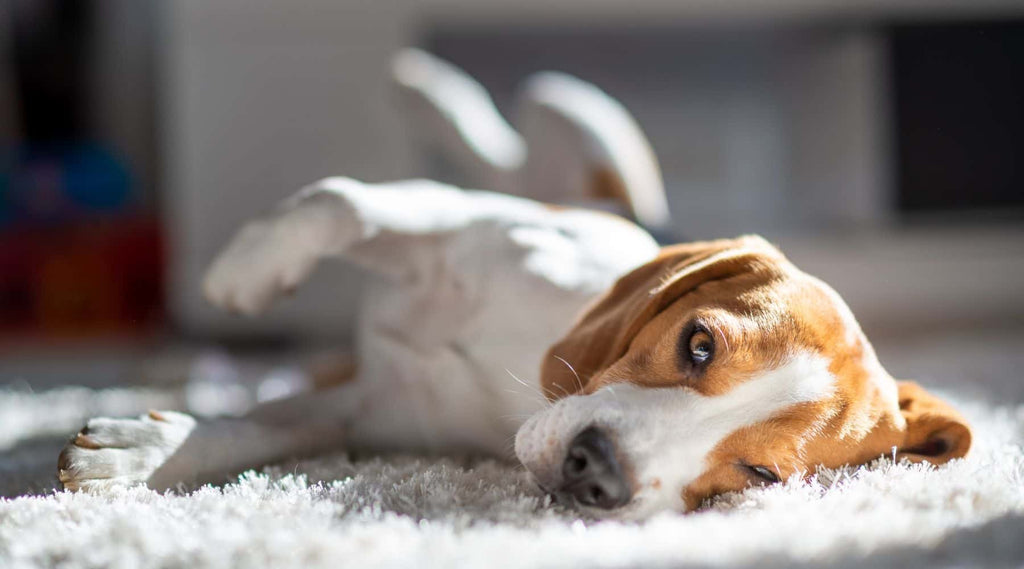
point(761, 474)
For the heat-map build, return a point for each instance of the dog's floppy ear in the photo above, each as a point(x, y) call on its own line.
point(605, 330)
point(935, 431)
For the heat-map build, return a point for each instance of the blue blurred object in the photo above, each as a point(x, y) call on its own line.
point(61, 181)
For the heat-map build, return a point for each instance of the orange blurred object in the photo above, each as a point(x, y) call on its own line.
point(81, 280)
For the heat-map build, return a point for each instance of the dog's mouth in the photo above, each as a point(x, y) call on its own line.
point(558, 498)
point(563, 499)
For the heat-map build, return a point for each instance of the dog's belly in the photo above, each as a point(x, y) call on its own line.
point(452, 357)
point(440, 401)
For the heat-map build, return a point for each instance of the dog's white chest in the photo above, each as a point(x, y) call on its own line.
point(454, 351)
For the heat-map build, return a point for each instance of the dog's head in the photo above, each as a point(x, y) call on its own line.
point(716, 366)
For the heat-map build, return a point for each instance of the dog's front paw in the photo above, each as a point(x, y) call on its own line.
point(265, 259)
point(121, 452)
point(272, 256)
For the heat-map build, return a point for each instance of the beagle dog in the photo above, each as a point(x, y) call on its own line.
point(626, 377)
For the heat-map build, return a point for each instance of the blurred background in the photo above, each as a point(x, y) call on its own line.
point(879, 142)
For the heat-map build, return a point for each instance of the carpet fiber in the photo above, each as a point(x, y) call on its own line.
point(401, 511)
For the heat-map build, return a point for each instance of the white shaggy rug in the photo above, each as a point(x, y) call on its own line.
point(452, 512)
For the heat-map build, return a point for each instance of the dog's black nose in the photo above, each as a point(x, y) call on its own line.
point(591, 474)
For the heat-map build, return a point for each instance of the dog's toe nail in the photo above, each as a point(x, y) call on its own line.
point(85, 441)
point(157, 416)
point(63, 463)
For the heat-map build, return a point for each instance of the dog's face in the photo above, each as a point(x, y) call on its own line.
point(717, 366)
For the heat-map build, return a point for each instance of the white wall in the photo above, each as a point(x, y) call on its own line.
point(261, 98)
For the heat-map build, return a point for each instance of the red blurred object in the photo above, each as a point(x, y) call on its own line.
point(81, 280)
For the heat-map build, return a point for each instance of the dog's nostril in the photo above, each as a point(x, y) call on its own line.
point(591, 473)
point(576, 462)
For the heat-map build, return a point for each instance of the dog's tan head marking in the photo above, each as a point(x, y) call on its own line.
point(719, 365)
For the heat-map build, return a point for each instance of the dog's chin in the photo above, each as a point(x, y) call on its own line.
point(633, 511)
point(569, 503)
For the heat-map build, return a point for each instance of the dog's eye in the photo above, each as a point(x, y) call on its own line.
point(701, 346)
point(764, 473)
point(695, 349)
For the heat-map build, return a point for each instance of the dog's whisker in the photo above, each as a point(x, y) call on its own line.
point(579, 381)
point(724, 339)
point(517, 416)
point(540, 401)
point(532, 388)
point(510, 447)
point(564, 390)
point(536, 397)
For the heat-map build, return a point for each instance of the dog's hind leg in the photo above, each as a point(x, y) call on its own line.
point(166, 448)
point(572, 142)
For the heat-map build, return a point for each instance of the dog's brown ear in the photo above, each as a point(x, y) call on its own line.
point(936, 433)
point(604, 332)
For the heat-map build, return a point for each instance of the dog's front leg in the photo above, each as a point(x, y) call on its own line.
point(389, 229)
point(274, 254)
point(165, 448)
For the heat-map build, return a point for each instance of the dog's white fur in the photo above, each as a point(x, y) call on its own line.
point(470, 289)
point(665, 433)
point(567, 130)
